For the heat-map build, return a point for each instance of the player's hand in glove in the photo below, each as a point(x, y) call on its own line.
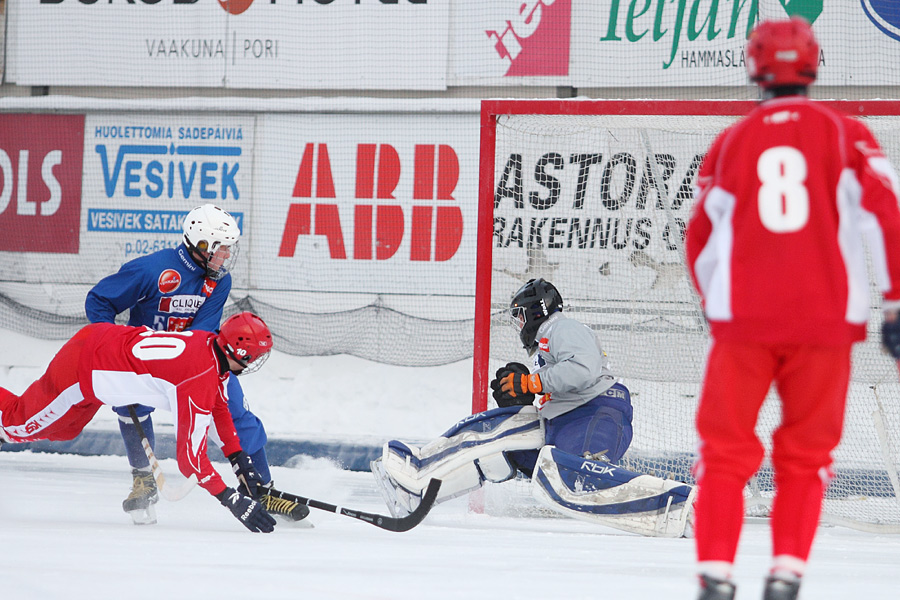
point(890, 333)
point(249, 480)
point(513, 385)
point(247, 510)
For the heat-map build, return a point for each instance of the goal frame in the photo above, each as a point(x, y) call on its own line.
point(491, 109)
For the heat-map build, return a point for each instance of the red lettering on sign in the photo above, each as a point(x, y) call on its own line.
point(388, 170)
point(420, 240)
point(423, 186)
point(379, 229)
point(362, 232)
point(296, 224)
point(324, 181)
point(388, 231)
point(328, 223)
point(449, 232)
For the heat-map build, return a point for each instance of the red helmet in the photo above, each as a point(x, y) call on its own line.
point(782, 53)
point(246, 339)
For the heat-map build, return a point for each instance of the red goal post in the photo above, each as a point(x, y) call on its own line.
point(593, 195)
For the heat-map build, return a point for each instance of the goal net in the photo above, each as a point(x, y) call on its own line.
point(594, 196)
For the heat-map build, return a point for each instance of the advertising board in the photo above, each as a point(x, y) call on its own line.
point(267, 44)
point(377, 203)
point(40, 184)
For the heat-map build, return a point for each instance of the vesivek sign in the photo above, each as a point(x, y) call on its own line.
point(209, 172)
point(159, 157)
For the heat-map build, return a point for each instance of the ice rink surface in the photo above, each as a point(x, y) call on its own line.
point(63, 535)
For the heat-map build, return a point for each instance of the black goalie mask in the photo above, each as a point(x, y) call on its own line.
point(532, 305)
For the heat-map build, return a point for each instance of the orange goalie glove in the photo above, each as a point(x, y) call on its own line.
point(514, 385)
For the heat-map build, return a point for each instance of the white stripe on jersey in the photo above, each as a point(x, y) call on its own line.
point(121, 388)
point(713, 264)
point(50, 414)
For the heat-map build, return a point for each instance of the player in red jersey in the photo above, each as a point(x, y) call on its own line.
point(182, 372)
point(775, 248)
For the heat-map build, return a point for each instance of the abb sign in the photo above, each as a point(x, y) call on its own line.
point(435, 228)
point(40, 182)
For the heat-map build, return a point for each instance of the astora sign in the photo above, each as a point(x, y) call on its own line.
point(380, 223)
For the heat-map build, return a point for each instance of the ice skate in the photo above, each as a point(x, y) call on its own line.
point(139, 503)
point(285, 510)
point(781, 589)
point(715, 589)
point(400, 502)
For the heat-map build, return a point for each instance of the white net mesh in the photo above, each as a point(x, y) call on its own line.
point(597, 205)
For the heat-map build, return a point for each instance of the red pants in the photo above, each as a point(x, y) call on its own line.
point(52, 408)
point(811, 382)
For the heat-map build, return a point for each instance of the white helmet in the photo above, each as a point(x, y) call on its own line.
point(207, 230)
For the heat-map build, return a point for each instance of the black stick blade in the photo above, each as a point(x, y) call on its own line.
point(417, 516)
point(383, 521)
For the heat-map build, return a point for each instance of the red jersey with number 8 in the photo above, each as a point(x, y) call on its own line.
point(785, 199)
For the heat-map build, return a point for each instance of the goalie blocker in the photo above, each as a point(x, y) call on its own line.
point(476, 450)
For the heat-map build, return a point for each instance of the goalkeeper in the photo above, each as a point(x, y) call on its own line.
point(568, 419)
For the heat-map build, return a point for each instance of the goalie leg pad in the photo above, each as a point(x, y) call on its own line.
point(400, 502)
point(496, 468)
point(469, 453)
point(606, 494)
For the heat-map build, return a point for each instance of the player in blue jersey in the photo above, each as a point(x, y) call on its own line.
point(172, 290)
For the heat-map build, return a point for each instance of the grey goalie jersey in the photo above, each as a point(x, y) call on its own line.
point(573, 367)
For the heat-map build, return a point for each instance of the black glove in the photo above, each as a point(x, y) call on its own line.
point(510, 398)
point(890, 337)
point(249, 512)
point(249, 480)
